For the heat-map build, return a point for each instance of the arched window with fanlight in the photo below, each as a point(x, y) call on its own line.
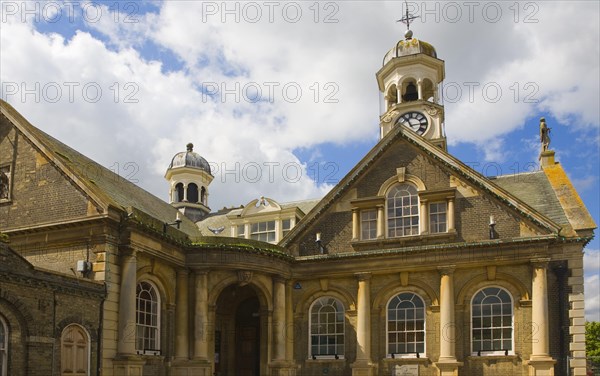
point(402, 202)
point(406, 325)
point(147, 318)
point(492, 322)
point(326, 325)
point(3, 347)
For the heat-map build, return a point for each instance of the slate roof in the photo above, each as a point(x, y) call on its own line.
point(105, 186)
point(535, 190)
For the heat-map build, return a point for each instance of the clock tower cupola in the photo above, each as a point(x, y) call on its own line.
point(410, 83)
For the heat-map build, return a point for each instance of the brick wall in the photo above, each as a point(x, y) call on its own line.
point(39, 193)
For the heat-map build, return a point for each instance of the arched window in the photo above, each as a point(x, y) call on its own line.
point(402, 211)
point(147, 317)
point(203, 195)
point(3, 347)
point(75, 351)
point(406, 325)
point(179, 192)
point(492, 321)
point(327, 328)
point(192, 193)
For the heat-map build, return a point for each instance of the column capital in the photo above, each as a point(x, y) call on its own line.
point(183, 271)
point(540, 263)
point(363, 276)
point(446, 269)
point(279, 279)
point(201, 272)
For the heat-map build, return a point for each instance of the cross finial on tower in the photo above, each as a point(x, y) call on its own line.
point(406, 20)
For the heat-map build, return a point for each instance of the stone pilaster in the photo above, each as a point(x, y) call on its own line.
point(577, 315)
point(181, 311)
point(201, 317)
point(127, 303)
point(279, 314)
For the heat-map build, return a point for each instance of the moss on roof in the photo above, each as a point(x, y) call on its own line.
point(112, 189)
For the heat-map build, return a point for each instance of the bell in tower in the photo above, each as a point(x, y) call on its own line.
point(411, 93)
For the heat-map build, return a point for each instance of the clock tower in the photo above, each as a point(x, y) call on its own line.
point(410, 81)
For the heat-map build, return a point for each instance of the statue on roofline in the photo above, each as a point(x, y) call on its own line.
point(544, 134)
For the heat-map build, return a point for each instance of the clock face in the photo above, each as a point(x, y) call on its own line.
point(415, 121)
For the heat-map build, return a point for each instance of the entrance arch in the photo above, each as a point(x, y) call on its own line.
point(241, 333)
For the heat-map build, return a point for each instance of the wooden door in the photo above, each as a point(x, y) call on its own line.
point(75, 350)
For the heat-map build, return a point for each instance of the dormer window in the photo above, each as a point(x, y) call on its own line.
point(402, 211)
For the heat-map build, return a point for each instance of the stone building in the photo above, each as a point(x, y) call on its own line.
point(414, 264)
point(49, 323)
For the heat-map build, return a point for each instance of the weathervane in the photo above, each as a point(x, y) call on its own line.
point(406, 20)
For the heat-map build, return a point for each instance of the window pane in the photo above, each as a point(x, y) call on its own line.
point(327, 327)
point(148, 323)
point(492, 320)
point(403, 211)
point(406, 324)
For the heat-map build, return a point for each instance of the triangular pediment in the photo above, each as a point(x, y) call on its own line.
point(400, 157)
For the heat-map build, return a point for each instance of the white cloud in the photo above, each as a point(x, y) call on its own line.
point(171, 110)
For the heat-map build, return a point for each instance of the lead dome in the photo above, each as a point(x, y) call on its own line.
point(190, 159)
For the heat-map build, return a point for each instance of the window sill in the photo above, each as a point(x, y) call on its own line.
point(364, 245)
point(494, 358)
point(407, 360)
point(148, 353)
point(326, 359)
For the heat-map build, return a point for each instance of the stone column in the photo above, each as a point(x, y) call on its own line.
point(185, 193)
point(447, 364)
point(423, 217)
point(539, 311)
point(279, 314)
point(355, 225)
point(127, 304)
point(451, 226)
point(182, 309)
point(420, 89)
point(363, 365)
point(447, 324)
point(541, 364)
point(201, 317)
point(399, 93)
point(380, 222)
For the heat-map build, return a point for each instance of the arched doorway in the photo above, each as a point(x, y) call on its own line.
point(240, 333)
point(75, 351)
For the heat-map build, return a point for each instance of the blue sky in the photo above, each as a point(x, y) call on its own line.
point(281, 97)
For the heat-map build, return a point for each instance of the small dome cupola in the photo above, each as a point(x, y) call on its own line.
point(189, 176)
